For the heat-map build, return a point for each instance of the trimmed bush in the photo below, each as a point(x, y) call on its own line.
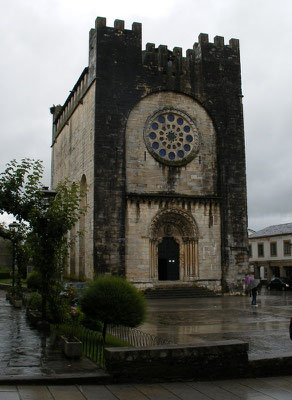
point(34, 281)
point(113, 300)
point(92, 324)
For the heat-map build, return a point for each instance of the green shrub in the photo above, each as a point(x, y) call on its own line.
point(58, 306)
point(34, 281)
point(92, 324)
point(57, 310)
point(34, 302)
point(113, 300)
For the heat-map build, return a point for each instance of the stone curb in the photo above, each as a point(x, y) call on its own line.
point(65, 379)
point(268, 366)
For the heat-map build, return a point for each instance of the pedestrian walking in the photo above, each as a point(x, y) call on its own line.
point(248, 279)
point(253, 290)
point(254, 293)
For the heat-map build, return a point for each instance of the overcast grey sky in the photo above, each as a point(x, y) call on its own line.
point(44, 48)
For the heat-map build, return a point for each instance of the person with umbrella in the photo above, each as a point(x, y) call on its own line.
point(253, 289)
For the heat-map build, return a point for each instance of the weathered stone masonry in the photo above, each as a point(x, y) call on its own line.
point(165, 169)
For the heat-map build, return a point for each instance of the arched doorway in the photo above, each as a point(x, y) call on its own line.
point(173, 246)
point(168, 260)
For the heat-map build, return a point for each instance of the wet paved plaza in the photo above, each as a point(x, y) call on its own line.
point(24, 352)
point(186, 321)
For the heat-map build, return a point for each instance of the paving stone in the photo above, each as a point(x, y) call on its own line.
point(25, 362)
point(126, 392)
point(7, 388)
point(156, 392)
point(9, 396)
point(279, 382)
point(213, 391)
point(94, 392)
point(267, 389)
point(66, 393)
point(235, 387)
point(23, 371)
point(34, 393)
point(184, 391)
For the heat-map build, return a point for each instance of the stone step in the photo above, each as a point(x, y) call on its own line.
point(169, 292)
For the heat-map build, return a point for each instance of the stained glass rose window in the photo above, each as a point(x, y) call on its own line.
point(172, 137)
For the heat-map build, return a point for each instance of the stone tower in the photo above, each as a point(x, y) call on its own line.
point(157, 140)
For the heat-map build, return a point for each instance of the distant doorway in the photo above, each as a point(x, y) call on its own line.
point(275, 272)
point(168, 260)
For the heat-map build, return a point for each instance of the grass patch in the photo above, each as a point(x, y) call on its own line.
point(112, 341)
point(9, 282)
point(6, 280)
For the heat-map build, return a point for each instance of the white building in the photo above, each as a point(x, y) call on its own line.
point(270, 253)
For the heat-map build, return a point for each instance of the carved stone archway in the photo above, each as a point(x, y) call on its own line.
point(181, 226)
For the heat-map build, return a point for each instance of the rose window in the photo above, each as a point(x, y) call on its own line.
point(171, 136)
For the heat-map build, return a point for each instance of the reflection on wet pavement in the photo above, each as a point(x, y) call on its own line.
point(24, 351)
point(186, 321)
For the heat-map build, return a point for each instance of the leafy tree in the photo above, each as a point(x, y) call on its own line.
point(20, 188)
point(21, 253)
point(21, 194)
point(113, 300)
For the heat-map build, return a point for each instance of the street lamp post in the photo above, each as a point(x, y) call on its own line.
point(48, 196)
point(14, 226)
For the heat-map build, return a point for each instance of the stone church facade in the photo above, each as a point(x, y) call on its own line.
point(157, 141)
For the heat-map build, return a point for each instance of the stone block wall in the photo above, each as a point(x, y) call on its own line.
point(144, 174)
point(139, 218)
point(214, 360)
point(73, 158)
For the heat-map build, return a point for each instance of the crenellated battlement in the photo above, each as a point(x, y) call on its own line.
point(61, 114)
point(119, 25)
point(203, 39)
point(113, 48)
point(163, 58)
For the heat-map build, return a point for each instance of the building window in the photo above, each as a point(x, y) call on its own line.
point(273, 248)
point(250, 250)
point(260, 250)
point(287, 248)
point(172, 137)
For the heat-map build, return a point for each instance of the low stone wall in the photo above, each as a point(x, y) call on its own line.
point(270, 365)
point(175, 362)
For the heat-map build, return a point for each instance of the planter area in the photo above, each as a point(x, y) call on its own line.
point(16, 303)
point(72, 348)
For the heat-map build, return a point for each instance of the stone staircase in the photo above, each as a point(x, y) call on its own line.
point(178, 292)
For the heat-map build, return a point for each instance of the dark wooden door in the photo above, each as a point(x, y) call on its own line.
point(168, 260)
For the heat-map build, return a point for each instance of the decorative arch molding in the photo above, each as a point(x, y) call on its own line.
point(178, 219)
point(181, 226)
